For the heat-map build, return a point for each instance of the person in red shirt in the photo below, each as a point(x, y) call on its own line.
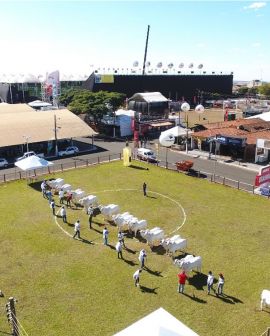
point(182, 277)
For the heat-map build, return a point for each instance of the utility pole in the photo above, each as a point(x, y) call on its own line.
point(145, 51)
point(11, 316)
point(55, 135)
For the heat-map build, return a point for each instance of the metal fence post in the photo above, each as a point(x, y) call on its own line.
point(62, 167)
point(109, 158)
point(238, 184)
point(224, 180)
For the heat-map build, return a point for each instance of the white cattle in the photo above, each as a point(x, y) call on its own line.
point(121, 220)
point(173, 244)
point(57, 183)
point(109, 210)
point(153, 236)
point(189, 263)
point(88, 201)
point(136, 225)
point(77, 195)
point(265, 299)
point(66, 187)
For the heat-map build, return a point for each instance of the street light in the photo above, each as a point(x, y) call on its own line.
point(109, 106)
point(26, 138)
point(56, 128)
point(199, 109)
point(186, 107)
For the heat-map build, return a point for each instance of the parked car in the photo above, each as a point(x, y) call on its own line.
point(71, 150)
point(146, 155)
point(3, 163)
point(27, 154)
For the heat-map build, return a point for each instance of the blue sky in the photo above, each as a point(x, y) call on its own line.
point(77, 37)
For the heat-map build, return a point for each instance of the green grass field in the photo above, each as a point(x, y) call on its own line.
point(71, 287)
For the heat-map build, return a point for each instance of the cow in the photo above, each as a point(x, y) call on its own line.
point(173, 244)
point(265, 299)
point(153, 236)
point(189, 263)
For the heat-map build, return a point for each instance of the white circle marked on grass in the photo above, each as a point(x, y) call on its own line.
point(182, 210)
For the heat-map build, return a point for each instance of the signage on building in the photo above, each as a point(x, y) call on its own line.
point(239, 142)
point(100, 79)
point(263, 176)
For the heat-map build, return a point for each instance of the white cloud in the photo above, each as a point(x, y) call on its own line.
point(256, 5)
point(256, 45)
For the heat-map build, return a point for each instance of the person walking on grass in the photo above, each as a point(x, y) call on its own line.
point(69, 198)
point(77, 229)
point(61, 196)
point(121, 238)
point(142, 257)
point(63, 214)
point(105, 236)
point(210, 282)
point(52, 206)
point(118, 248)
point(220, 286)
point(182, 278)
point(144, 189)
point(136, 277)
point(90, 212)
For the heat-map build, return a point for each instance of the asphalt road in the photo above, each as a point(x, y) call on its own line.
point(106, 147)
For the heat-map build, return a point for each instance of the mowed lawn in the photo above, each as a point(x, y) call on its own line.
point(70, 287)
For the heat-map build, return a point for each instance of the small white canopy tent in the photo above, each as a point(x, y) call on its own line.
point(33, 162)
point(158, 323)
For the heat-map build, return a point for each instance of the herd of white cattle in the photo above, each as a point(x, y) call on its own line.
point(154, 237)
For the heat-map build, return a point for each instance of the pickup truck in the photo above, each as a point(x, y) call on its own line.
point(27, 154)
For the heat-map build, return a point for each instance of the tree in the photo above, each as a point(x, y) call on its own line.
point(264, 89)
point(94, 104)
point(243, 90)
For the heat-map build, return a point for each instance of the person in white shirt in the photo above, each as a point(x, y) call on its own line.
point(210, 281)
point(77, 229)
point(63, 214)
point(221, 281)
point(105, 236)
point(43, 188)
point(90, 212)
point(142, 256)
point(121, 238)
point(118, 248)
point(136, 277)
point(61, 196)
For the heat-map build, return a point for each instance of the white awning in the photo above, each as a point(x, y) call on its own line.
point(177, 131)
point(33, 162)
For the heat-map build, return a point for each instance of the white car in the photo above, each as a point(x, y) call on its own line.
point(27, 154)
point(69, 151)
point(3, 163)
point(146, 155)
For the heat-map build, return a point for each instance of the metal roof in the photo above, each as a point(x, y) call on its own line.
point(19, 121)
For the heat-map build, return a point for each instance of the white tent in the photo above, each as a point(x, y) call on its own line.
point(177, 131)
point(158, 323)
point(33, 162)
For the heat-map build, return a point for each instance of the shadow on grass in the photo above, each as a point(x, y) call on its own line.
point(158, 250)
point(194, 173)
point(86, 241)
point(194, 298)
point(138, 167)
point(156, 273)
point(151, 196)
point(98, 231)
point(140, 238)
point(129, 250)
point(129, 262)
point(228, 298)
point(199, 280)
point(148, 290)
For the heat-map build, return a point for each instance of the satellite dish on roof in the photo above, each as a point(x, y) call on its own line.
point(199, 108)
point(185, 107)
point(170, 65)
point(135, 63)
point(191, 65)
point(181, 65)
point(147, 64)
point(200, 66)
point(159, 65)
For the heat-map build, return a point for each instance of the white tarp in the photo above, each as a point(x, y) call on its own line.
point(158, 323)
point(33, 162)
point(39, 103)
point(177, 131)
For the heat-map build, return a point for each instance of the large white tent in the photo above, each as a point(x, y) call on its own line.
point(158, 323)
point(177, 131)
point(33, 162)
